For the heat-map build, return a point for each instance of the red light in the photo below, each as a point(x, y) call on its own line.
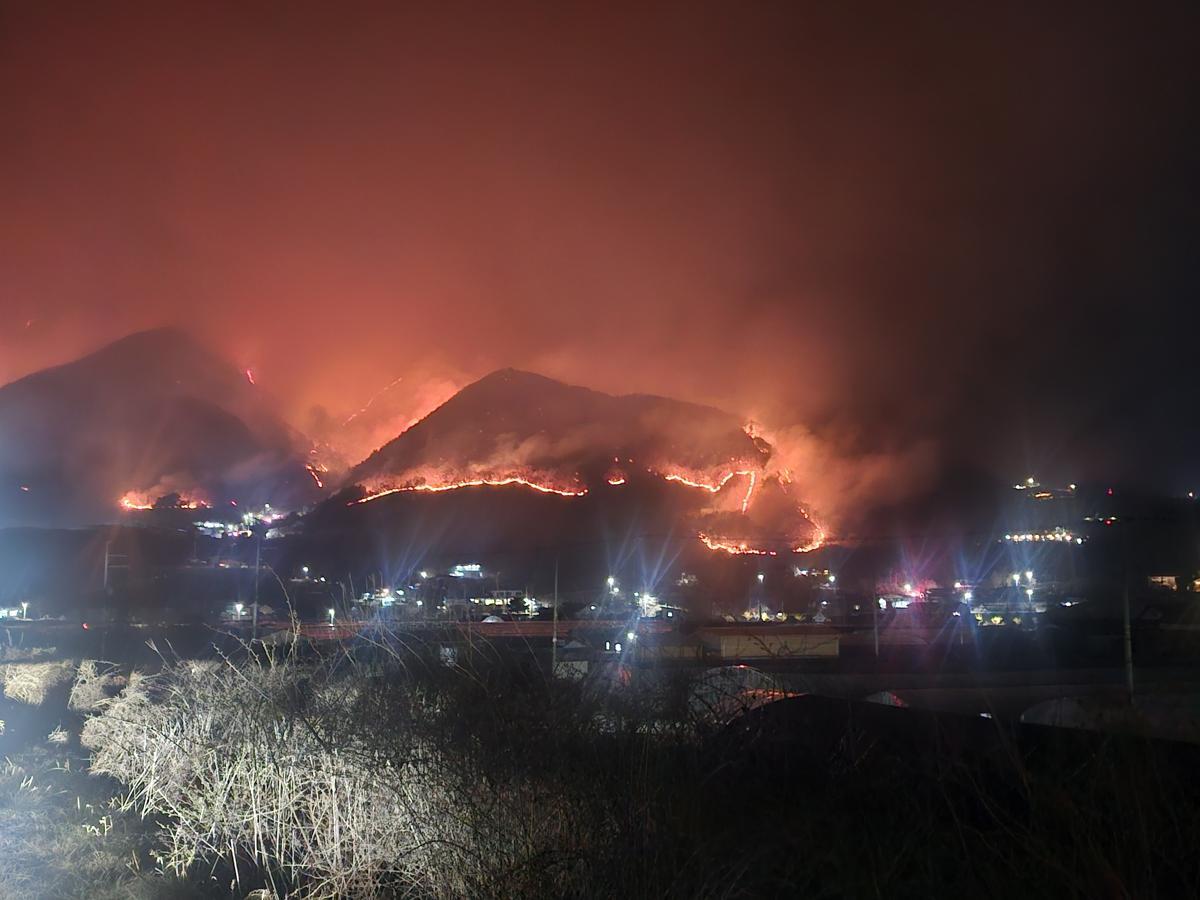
point(85, 626)
point(1109, 492)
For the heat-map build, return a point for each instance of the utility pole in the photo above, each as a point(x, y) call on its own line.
point(554, 640)
point(1128, 627)
point(875, 624)
point(113, 561)
point(257, 565)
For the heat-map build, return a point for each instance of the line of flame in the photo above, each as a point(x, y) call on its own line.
point(732, 548)
point(817, 541)
point(475, 482)
point(713, 487)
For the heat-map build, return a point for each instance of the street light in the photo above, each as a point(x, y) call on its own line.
point(611, 581)
point(237, 607)
point(331, 614)
point(761, 576)
point(24, 609)
point(304, 570)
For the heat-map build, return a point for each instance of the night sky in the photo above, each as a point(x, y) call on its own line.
point(943, 232)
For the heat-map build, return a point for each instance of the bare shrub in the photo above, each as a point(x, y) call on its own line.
point(94, 682)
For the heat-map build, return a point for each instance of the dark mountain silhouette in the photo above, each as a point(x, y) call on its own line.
point(154, 413)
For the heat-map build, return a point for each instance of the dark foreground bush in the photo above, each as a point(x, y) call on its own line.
point(379, 773)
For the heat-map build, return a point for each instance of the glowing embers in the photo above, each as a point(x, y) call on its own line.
point(615, 476)
point(316, 470)
point(749, 492)
point(543, 485)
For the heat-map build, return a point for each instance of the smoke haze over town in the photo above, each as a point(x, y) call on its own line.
point(896, 239)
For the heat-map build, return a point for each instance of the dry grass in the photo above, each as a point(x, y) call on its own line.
point(31, 682)
point(241, 766)
point(58, 735)
point(26, 654)
point(372, 774)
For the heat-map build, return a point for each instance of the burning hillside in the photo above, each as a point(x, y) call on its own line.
point(152, 421)
point(516, 429)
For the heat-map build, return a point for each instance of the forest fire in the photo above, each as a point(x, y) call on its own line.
point(141, 501)
point(725, 528)
point(133, 500)
point(814, 543)
point(735, 549)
